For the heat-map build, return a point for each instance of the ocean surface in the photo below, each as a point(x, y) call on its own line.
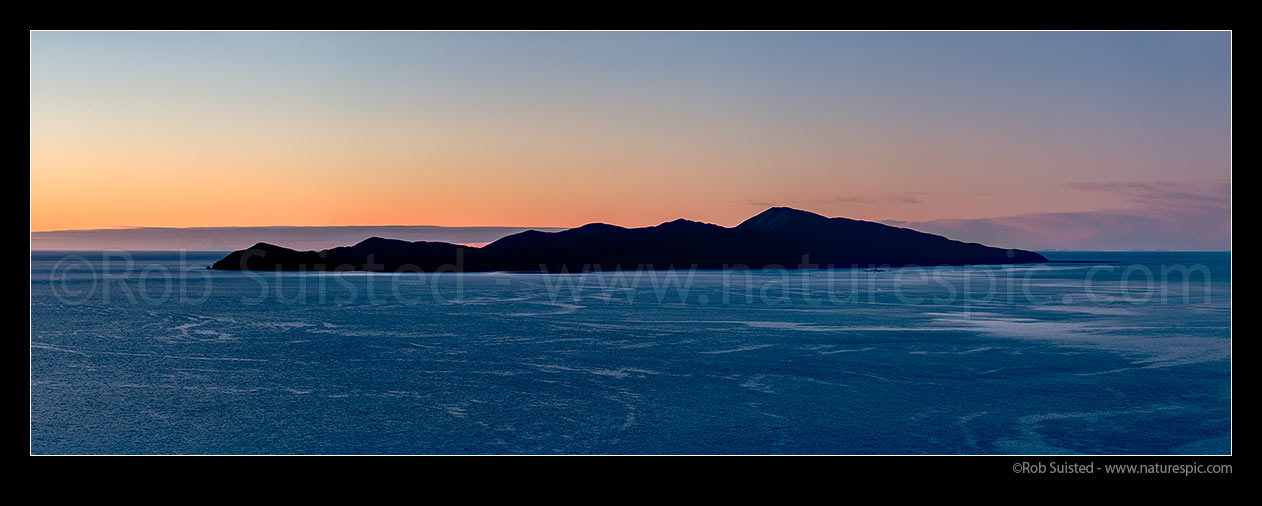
point(149, 352)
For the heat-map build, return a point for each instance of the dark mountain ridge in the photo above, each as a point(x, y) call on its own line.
point(779, 237)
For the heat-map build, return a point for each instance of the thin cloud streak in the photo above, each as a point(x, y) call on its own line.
point(1192, 215)
point(901, 198)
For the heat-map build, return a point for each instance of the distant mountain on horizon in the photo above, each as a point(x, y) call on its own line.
point(779, 237)
point(228, 238)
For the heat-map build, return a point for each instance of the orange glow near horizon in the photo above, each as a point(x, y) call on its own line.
point(102, 191)
point(196, 175)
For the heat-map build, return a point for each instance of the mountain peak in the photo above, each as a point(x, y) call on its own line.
point(379, 241)
point(788, 211)
point(777, 218)
point(598, 226)
point(266, 246)
point(680, 222)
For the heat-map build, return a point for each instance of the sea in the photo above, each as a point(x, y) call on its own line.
point(142, 352)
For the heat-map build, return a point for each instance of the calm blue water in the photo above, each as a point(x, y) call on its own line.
point(150, 353)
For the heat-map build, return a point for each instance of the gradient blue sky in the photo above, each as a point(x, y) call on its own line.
point(1026, 139)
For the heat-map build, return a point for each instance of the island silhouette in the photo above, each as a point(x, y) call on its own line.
point(779, 237)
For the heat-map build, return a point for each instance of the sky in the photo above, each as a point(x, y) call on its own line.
point(1039, 140)
point(234, 238)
